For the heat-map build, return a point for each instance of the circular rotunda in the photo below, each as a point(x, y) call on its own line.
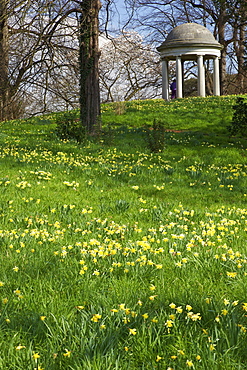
point(190, 42)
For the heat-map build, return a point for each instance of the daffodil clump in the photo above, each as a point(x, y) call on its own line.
point(119, 258)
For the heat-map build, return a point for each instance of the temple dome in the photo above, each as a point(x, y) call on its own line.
point(190, 34)
point(190, 42)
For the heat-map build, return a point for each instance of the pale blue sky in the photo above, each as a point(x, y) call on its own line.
point(118, 15)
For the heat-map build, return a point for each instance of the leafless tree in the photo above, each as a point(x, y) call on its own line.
point(33, 43)
point(129, 69)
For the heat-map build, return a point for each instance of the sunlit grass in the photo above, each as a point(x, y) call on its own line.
point(197, 114)
point(117, 258)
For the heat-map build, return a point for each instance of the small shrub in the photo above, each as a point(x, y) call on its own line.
point(239, 119)
point(69, 127)
point(155, 137)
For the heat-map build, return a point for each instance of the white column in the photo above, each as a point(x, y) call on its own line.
point(216, 76)
point(201, 76)
point(179, 77)
point(165, 79)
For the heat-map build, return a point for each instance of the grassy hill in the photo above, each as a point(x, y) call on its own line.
point(194, 114)
point(118, 258)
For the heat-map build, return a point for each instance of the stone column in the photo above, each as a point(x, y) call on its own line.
point(179, 77)
point(216, 76)
point(183, 78)
point(165, 79)
point(201, 90)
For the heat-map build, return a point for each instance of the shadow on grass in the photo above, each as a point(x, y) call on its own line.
point(27, 322)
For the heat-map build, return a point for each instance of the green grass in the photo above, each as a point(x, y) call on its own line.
point(117, 258)
point(194, 114)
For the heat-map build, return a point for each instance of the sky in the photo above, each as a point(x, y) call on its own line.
point(118, 15)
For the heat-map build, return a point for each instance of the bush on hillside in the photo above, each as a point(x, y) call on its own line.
point(155, 137)
point(69, 127)
point(239, 118)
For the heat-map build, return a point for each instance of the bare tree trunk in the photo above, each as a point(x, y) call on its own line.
point(240, 50)
point(209, 80)
point(240, 58)
point(222, 41)
point(89, 65)
point(4, 60)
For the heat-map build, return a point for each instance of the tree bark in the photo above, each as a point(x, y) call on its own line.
point(89, 65)
point(4, 60)
point(222, 41)
point(239, 46)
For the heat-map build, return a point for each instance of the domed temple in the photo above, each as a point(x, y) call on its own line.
point(190, 42)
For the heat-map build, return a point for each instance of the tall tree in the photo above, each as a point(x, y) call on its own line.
point(129, 69)
point(4, 60)
point(25, 33)
point(89, 64)
point(239, 25)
